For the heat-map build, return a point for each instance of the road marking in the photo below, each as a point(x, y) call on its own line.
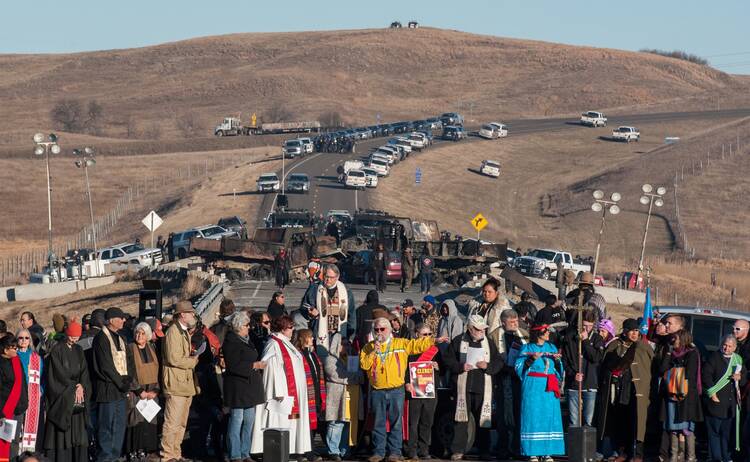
point(273, 203)
point(257, 288)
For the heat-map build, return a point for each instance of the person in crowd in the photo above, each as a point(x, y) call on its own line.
point(379, 265)
point(207, 404)
point(430, 316)
point(344, 406)
point(540, 369)
point(407, 268)
point(741, 331)
point(385, 361)
point(366, 314)
point(451, 323)
point(13, 393)
point(722, 376)
point(170, 247)
point(243, 386)
point(33, 370)
point(178, 379)
point(28, 321)
point(592, 349)
point(332, 229)
point(112, 372)
point(625, 382)
point(473, 360)
point(283, 379)
point(59, 324)
point(526, 311)
point(222, 325)
point(336, 306)
point(315, 381)
point(30, 456)
point(422, 409)
point(681, 392)
point(409, 314)
point(490, 304)
point(553, 315)
point(276, 307)
point(142, 436)
point(260, 330)
point(425, 265)
point(161, 244)
point(606, 330)
point(68, 390)
point(306, 317)
point(396, 323)
point(281, 266)
point(585, 286)
point(508, 396)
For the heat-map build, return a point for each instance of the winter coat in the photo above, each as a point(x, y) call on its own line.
point(337, 378)
point(593, 352)
point(452, 325)
point(365, 316)
point(491, 314)
point(243, 385)
point(178, 371)
point(712, 370)
point(310, 299)
point(689, 409)
point(276, 310)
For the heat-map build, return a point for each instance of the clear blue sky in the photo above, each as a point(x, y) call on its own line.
point(715, 30)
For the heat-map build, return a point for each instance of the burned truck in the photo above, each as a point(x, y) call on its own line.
point(241, 259)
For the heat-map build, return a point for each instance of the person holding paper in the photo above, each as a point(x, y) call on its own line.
point(142, 436)
point(13, 396)
point(421, 408)
point(285, 403)
point(68, 391)
point(344, 408)
point(472, 382)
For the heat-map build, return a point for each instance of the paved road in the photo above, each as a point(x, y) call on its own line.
point(327, 194)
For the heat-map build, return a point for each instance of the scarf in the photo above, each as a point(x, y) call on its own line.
point(332, 311)
point(734, 361)
point(677, 354)
point(462, 414)
point(31, 424)
point(311, 404)
point(9, 408)
point(291, 383)
point(147, 372)
point(119, 356)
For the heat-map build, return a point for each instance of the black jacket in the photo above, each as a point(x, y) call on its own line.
point(475, 379)
point(276, 310)
point(712, 370)
point(689, 409)
point(743, 349)
point(243, 386)
point(7, 378)
point(109, 385)
point(593, 352)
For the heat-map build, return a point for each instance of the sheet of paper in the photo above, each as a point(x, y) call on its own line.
point(352, 364)
point(148, 409)
point(200, 349)
point(8, 430)
point(474, 355)
point(281, 407)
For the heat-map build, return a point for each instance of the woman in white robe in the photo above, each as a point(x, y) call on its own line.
point(276, 389)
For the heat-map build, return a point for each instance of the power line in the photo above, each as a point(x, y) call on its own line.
point(729, 54)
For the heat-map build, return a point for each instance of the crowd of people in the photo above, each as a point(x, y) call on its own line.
point(343, 380)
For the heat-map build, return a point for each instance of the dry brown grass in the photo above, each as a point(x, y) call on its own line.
point(246, 73)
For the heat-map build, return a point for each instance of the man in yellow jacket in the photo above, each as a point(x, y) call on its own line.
point(385, 361)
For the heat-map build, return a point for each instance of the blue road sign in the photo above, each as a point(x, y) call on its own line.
point(418, 176)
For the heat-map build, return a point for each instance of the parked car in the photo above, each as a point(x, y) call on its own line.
point(453, 133)
point(626, 134)
point(490, 168)
point(372, 177)
point(181, 240)
point(380, 166)
point(401, 141)
point(390, 150)
point(434, 123)
point(493, 130)
point(356, 179)
point(358, 267)
point(236, 224)
point(543, 263)
point(292, 149)
point(307, 144)
point(500, 129)
point(387, 157)
point(268, 182)
point(708, 325)
point(451, 118)
point(593, 119)
point(128, 254)
point(298, 182)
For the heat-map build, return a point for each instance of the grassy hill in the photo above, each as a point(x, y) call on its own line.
point(396, 74)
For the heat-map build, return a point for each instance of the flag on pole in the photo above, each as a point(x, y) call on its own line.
point(648, 313)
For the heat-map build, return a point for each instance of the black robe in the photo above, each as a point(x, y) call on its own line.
point(66, 438)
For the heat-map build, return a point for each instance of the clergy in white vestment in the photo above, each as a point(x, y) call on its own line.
point(285, 387)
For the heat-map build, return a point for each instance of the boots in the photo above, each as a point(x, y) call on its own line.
point(680, 447)
point(673, 448)
point(690, 448)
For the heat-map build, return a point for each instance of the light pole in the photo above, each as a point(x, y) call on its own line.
point(45, 145)
point(602, 205)
point(649, 198)
point(85, 161)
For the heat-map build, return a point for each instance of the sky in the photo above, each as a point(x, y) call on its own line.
point(718, 31)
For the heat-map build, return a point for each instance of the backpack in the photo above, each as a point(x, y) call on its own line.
point(677, 383)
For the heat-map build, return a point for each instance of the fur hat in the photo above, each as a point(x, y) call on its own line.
point(477, 322)
point(58, 321)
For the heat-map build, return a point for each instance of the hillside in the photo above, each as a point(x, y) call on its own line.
point(360, 74)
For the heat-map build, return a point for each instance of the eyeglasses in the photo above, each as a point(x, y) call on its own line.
point(23, 338)
point(426, 334)
point(739, 328)
point(381, 329)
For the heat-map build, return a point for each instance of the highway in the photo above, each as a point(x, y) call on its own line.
point(327, 194)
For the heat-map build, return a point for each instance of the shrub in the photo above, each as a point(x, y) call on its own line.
point(677, 54)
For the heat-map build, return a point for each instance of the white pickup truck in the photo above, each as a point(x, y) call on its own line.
point(543, 263)
point(593, 119)
point(626, 134)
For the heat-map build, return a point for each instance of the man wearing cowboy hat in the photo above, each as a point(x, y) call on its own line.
point(473, 360)
point(178, 376)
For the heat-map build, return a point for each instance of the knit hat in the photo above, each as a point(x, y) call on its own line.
point(607, 325)
point(58, 321)
point(630, 324)
point(74, 329)
point(430, 299)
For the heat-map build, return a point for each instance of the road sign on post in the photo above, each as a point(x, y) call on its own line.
point(479, 223)
point(418, 176)
point(152, 221)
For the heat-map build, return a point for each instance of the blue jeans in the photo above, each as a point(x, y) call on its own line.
point(112, 421)
point(337, 438)
point(589, 404)
point(425, 281)
point(240, 432)
point(719, 435)
point(388, 402)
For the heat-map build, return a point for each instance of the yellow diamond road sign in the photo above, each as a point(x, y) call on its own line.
point(479, 222)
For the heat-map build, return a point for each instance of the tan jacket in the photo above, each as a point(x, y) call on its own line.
point(178, 373)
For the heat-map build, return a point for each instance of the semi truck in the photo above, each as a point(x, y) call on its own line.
point(233, 126)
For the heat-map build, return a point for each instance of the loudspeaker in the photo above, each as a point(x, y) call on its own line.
point(581, 444)
point(276, 444)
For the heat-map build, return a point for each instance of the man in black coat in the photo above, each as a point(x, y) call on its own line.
point(379, 265)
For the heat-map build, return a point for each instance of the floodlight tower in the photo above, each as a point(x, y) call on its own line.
point(602, 205)
point(45, 145)
point(651, 199)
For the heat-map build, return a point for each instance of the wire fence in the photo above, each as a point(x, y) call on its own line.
point(141, 196)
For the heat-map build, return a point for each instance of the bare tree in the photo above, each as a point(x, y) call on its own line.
point(94, 117)
point(277, 113)
point(331, 119)
point(189, 124)
point(67, 114)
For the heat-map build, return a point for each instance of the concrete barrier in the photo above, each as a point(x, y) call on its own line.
point(610, 294)
point(28, 292)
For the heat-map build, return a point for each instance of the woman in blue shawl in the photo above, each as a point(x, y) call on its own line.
point(540, 369)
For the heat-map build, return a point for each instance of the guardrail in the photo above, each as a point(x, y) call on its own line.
point(210, 298)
